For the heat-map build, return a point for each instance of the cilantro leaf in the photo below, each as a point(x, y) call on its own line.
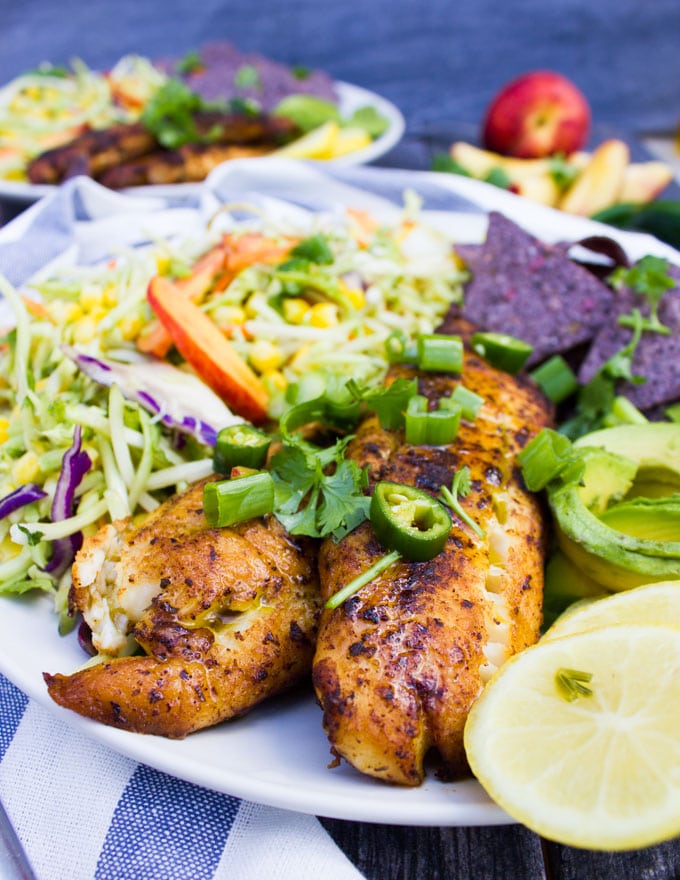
point(650, 278)
point(317, 491)
point(169, 114)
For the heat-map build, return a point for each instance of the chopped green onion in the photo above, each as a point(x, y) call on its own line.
point(469, 402)
point(399, 349)
point(240, 445)
point(437, 427)
point(556, 379)
point(570, 684)
point(544, 458)
point(361, 580)
point(626, 412)
point(227, 502)
point(440, 353)
point(502, 351)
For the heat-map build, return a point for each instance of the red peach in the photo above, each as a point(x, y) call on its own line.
point(537, 114)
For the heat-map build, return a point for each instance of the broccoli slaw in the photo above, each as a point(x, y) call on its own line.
point(75, 387)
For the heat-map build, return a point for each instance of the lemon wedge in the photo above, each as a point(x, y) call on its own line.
point(316, 144)
point(596, 764)
point(657, 603)
point(349, 140)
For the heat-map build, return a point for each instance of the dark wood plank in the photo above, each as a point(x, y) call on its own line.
point(390, 852)
point(660, 862)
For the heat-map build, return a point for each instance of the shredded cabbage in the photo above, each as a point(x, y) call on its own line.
point(70, 362)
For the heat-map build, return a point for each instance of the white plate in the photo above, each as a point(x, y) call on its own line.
point(278, 754)
point(350, 98)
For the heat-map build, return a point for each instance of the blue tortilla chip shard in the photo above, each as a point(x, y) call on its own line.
point(226, 73)
point(532, 290)
point(656, 358)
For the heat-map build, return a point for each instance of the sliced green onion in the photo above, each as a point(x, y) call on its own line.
point(409, 520)
point(364, 578)
point(626, 412)
point(227, 502)
point(469, 402)
point(437, 427)
point(572, 683)
point(556, 379)
point(240, 445)
point(438, 352)
point(544, 458)
point(502, 351)
point(399, 349)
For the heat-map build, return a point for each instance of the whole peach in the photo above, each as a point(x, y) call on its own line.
point(539, 113)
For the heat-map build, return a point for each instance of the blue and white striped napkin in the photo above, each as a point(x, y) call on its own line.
point(82, 811)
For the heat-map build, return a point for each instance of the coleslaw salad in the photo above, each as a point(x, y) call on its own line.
point(93, 430)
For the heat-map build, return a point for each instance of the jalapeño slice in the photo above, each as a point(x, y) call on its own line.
point(408, 520)
point(240, 446)
point(505, 352)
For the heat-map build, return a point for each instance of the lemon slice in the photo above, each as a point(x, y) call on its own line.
point(602, 770)
point(316, 144)
point(657, 603)
point(349, 140)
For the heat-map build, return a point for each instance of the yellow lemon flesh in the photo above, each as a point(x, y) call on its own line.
point(598, 770)
point(316, 144)
point(655, 604)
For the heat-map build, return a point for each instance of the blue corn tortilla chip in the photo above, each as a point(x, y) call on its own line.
point(656, 358)
point(532, 290)
point(226, 73)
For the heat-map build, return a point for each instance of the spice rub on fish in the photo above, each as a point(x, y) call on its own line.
point(399, 664)
point(226, 617)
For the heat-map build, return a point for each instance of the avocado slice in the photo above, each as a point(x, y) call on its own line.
point(616, 537)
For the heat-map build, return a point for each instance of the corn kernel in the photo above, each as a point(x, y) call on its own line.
point(275, 379)
point(130, 327)
point(4, 430)
point(110, 298)
point(90, 298)
point(163, 264)
point(265, 356)
point(26, 468)
point(227, 316)
point(85, 330)
point(354, 294)
point(295, 309)
point(322, 315)
point(72, 312)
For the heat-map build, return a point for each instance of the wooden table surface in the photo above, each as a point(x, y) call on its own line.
point(505, 852)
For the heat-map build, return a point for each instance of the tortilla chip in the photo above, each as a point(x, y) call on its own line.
point(532, 290)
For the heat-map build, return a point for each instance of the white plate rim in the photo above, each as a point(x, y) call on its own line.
point(350, 97)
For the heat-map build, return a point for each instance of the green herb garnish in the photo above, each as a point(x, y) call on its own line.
point(570, 684)
point(650, 278)
point(460, 488)
point(247, 77)
point(191, 63)
point(169, 114)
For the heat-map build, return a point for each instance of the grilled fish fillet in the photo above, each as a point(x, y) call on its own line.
point(398, 665)
point(100, 153)
point(226, 617)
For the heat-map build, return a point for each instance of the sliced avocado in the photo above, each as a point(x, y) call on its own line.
point(607, 477)
point(655, 446)
point(618, 541)
point(652, 519)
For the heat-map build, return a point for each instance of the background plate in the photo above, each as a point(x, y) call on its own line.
point(350, 98)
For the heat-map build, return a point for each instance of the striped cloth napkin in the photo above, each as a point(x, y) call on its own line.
point(82, 811)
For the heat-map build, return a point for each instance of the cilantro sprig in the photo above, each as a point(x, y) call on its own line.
point(649, 277)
